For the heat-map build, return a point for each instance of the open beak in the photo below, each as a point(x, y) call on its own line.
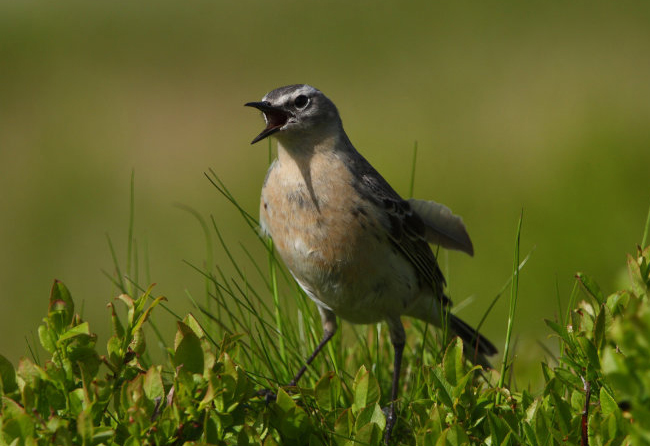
point(275, 118)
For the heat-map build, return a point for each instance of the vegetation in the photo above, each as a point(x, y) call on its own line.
point(205, 389)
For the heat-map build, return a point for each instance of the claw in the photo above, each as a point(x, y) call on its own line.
point(391, 417)
point(267, 394)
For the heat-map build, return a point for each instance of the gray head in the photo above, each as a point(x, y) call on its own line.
point(294, 110)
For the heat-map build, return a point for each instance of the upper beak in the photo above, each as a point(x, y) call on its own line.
point(275, 117)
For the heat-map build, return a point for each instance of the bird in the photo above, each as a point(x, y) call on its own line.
point(357, 248)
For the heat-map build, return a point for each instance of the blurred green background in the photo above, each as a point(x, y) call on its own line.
point(542, 106)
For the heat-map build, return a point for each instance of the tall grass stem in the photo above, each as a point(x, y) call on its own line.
point(415, 157)
point(644, 241)
point(129, 244)
point(514, 288)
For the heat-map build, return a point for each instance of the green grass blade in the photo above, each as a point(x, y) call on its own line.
point(514, 289)
point(221, 187)
point(501, 291)
point(119, 280)
point(276, 301)
point(209, 256)
point(256, 265)
point(413, 164)
point(129, 244)
point(644, 240)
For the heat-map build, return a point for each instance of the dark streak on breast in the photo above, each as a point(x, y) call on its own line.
point(299, 198)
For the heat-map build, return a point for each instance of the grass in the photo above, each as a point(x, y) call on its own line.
point(245, 337)
point(514, 288)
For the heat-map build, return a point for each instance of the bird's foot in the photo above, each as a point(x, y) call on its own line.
point(391, 418)
point(267, 394)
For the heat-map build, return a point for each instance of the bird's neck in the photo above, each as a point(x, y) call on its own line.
point(299, 162)
point(300, 149)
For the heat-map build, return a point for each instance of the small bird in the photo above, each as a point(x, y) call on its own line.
point(356, 248)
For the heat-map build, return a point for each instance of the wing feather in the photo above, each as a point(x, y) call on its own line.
point(442, 227)
point(406, 229)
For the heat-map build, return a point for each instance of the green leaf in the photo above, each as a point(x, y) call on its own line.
point(55, 397)
point(531, 412)
point(368, 434)
point(130, 305)
point(592, 287)
point(86, 358)
point(142, 318)
point(188, 352)
point(507, 441)
point(47, 338)
point(140, 302)
point(591, 352)
point(608, 404)
point(191, 322)
point(365, 388)
point(135, 441)
point(224, 386)
point(599, 328)
point(85, 428)
point(138, 342)
point(82, 329)
point(529, 433)
point(15, 422)
point(247, 437)
point(270, 441)
point(118, 328)
point(153, 385)
point(31, 373)
point(77, 400)
point(291, 420)
point(560, 330)
point(343, 427)
point(568, 378)
point(498, 428)
point(328, 391)
point(61, 307)
point(638, 276)
point(315, 441)
point(453, 361)
point(63, 434)
point(563, 413)
point(102, 435)
point(453, 436)
point(464, 382)
point(7, 376)
point(370, 414)
point(114, 349)
point(284, 401)
point(441, 387)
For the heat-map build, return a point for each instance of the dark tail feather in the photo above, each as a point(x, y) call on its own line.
point(477, 347)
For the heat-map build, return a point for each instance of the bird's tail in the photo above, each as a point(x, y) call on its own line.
point(477, 347)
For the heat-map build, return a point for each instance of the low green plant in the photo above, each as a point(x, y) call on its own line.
point(206, 388)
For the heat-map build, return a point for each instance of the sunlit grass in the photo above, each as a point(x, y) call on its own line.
point(230, 349)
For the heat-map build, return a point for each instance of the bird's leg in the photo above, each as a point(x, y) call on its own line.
point(392, 416)
point(328, 320)
point(397, 338)
point(270, 396)
point(327, 335)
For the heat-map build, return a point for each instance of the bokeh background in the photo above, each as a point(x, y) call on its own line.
point(540, 106)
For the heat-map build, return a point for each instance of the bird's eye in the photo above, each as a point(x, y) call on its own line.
point(301, 101)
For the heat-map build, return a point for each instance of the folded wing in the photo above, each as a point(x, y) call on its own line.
point(442, 227)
